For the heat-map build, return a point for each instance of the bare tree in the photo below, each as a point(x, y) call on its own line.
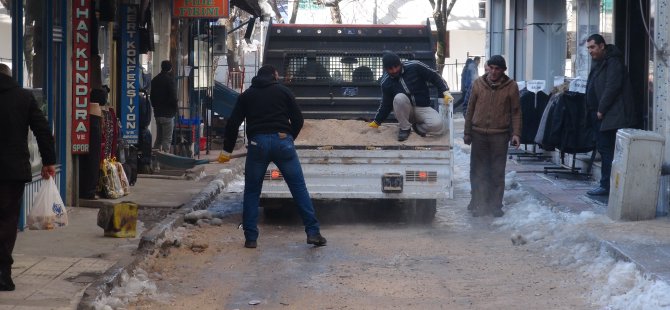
point(335, 13)
point(294, 11)
point(441, 12)
point(275, 8)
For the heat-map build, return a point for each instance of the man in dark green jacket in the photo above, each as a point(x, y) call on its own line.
point(18, 113)
point(609, 101)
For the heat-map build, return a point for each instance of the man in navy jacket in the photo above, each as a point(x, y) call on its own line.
point(273, 121)
point(405, 92)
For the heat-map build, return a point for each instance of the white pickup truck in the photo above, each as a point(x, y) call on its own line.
point(342, 158)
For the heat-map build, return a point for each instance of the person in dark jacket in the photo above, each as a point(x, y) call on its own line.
point(405, 92)
point(609, 101)
point(164, 101)
point(468, 76)
point(18, 113)
point(273, 121)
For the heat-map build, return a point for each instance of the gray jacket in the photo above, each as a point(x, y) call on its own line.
point(609, 91)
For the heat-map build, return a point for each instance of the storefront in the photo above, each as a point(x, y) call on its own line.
point(546, 39)
point(37, 55)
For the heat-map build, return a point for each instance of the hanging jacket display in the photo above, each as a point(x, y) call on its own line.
point(542, 136)
point(532, 108)
point(567, 126)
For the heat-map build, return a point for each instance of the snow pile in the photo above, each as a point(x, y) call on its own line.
point(130, 288)
point(236, 185)
point(617, 285)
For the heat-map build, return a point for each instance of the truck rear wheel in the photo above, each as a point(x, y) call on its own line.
point(420, 210)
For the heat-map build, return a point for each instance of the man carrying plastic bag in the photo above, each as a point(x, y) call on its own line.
point(18, 112)
point(48, 210)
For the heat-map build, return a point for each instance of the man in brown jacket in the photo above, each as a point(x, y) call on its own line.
point(493, 116)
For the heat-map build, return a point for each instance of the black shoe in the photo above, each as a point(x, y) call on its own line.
point(6, 283)
point(418, 131)
point(497, 213)
point(250, 244)
point(403, 134)
point(316, 240)
point(598, 191)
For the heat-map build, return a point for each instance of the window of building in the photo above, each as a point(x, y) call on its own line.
point(482, 9)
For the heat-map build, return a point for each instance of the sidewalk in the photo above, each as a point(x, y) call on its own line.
point(645, 243)
point(67, 268)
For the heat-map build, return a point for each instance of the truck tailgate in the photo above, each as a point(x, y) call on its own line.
point(341, 174)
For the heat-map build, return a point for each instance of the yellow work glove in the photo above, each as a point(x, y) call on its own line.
point(447, 97)
point(224, 157)
point(373, 124)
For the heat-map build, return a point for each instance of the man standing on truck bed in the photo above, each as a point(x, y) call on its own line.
point(273, 122)
point(405, 92)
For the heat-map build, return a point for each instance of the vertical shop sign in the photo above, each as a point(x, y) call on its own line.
point(81, 74)
point(129, 73)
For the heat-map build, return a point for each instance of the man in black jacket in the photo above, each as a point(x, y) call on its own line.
point(18, 113)
point(164, 101)
point(273, 121)
point(406, 93)
point(609, 100)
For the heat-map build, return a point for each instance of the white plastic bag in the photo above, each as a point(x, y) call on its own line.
point(48, 210)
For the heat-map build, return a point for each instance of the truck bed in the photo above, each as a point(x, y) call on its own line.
point(356, 134)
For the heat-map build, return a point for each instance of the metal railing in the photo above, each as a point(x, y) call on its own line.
point(29, 192)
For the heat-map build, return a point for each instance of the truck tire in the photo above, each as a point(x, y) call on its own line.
point(420, 210)
point(276, 207)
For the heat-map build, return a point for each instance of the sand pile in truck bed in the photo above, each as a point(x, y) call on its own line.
point(355, 132)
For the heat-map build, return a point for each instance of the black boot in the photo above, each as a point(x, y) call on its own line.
point(6, 283)
point(403, 134)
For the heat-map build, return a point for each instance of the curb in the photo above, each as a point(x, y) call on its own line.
point(149, 239)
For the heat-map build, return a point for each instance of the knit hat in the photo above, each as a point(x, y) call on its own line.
point(497, 60)
point(390, 60)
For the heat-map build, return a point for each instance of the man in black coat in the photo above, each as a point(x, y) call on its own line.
point(18, 113)
point(164, 101)
point(609, 100)
point(273, 122)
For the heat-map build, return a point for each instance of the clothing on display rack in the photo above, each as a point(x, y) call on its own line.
point(565, 126)
point(571, 127)
point(532, 108)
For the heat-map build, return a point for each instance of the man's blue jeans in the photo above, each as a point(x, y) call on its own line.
point(279, 149)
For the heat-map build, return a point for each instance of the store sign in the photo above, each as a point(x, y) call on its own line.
point(130, 73)
point(201, 8)
point(81, 74)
